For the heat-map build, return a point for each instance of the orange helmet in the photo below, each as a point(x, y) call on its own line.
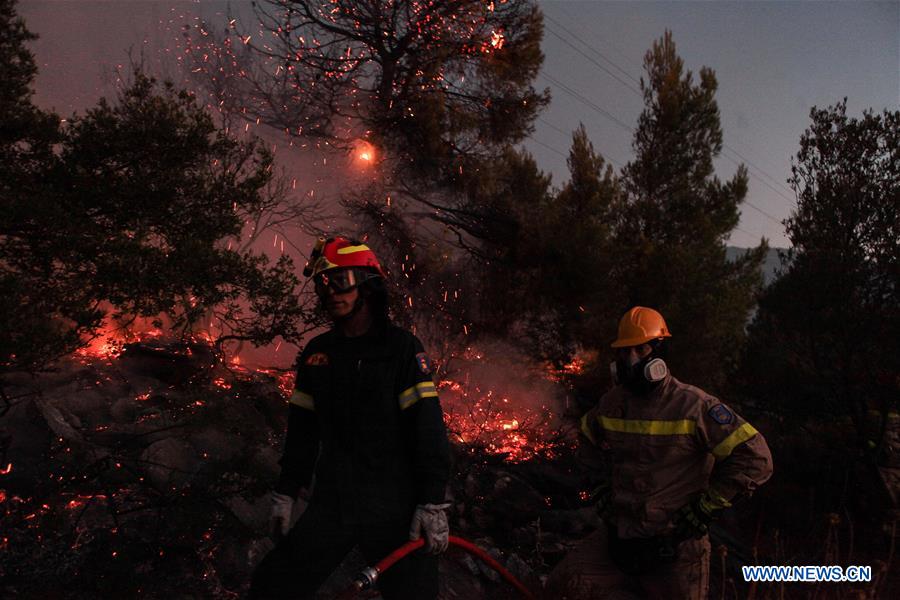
point(340, 253)
point(639, 326)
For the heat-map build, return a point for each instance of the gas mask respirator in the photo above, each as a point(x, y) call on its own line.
point(643, 375)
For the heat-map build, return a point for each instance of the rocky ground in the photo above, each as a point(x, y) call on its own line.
point(148, 474)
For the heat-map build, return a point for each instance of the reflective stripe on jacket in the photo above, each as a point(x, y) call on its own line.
point(667, 447)
point(365, 417)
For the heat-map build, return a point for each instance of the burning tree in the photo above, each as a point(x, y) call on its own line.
point(436, 90)
point(434, 87)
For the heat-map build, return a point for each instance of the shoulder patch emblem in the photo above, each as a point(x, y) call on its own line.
point(319, 359)
point(423, 363)
point(721, 414)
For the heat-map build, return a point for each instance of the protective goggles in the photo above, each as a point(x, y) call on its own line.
point(341, 281)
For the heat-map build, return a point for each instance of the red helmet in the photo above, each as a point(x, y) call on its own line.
point(340, 253)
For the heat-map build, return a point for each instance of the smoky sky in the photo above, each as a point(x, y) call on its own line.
point(773, 61)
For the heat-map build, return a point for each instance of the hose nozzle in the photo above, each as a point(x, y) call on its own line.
point(366, 579)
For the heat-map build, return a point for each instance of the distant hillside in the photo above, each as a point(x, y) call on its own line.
point(770, 265)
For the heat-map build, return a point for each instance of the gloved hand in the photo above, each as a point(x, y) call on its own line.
point(280, 521)
point(432, 519)
point(692, 520)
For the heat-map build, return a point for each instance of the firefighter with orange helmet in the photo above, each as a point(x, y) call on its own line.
point(671, 457)
point(365, 435)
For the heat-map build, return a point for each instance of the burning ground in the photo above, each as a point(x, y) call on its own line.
point(144, 469)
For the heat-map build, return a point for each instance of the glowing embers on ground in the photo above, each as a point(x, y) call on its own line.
point(500, 406)
point(110, 339)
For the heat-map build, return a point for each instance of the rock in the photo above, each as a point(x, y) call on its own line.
point(519, 568)
point(549, 479)
point(132, 435)
point(525, 536)
point(481, 519)
point(460, 578)
point(57, 421)
point(470, 563)
point(471, 487)
point(172, 363)
point(212, 444)
point(486, 571)
point(514, 500)
point(570, 522)
point(253, 515)
point(263, 461)
point(170, 462)
point(91, 405)
point(124, 410)
point(71, 418)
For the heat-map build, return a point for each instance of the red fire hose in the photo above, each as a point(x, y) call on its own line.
point(370, 575)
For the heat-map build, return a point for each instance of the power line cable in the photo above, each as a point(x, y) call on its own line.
point(637, 92)
point(594, 106)
point(568, 133)
point(586, 101)
point(592, 60)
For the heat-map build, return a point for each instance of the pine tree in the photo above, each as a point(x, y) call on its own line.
point(678, 217)
point(127, 208)
point(34, 292)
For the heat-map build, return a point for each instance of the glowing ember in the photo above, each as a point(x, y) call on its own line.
point(500, 407)
point(497, 39)
point(363, 153)
point(101, 348)
point(496, 436)
point(574, 367)
point(285, 380)
point(221, 383)
point(7, 470)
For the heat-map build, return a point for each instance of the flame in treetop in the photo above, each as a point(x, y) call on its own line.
point(437, 84)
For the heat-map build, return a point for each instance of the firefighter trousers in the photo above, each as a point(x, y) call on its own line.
point(588, 572)
point(302, 561)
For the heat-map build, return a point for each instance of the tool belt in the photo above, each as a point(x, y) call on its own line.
point(641, 556)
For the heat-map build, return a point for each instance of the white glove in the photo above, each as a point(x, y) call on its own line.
point(280, 521)
point(432, 518)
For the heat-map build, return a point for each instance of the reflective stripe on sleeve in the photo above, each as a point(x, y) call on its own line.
point(303, 400)
point(737, 437)
point(683, 426)
point(586, 429)
point(414, 393)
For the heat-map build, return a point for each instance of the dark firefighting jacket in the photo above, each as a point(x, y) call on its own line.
point(366, 420)
point(665, 448)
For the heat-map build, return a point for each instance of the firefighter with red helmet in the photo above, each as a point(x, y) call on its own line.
point(669, 457)
point(366, 442)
